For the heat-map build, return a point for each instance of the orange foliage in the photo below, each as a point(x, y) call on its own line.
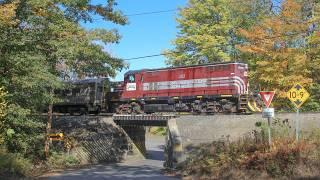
point(7, 14)
point(277, 45)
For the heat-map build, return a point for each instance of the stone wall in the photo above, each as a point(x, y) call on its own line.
point(201, 129)
point(92, 139)
point(194, 130)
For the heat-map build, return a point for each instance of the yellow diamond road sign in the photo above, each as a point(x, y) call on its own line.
point(298, 95)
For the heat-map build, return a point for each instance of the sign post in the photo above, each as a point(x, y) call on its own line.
point(267, 112)
point(297, 95)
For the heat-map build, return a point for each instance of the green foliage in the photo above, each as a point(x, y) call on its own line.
point(158, 131)
point(42, 43)
point(15, 164)
point(203, 26)
point(62, 160)
point(24, 133)
point(3, 111)
point(280, 44)
point(3, 104)
point(208, 30)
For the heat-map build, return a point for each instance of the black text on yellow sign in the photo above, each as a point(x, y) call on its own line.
point(298, 95)
point(56, 137)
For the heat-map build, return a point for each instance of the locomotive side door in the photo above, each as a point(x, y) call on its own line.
point(133, 87)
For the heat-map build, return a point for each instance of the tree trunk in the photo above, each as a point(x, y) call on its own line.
point(48, 129)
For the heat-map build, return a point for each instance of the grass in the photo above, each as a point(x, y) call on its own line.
point(162, 131)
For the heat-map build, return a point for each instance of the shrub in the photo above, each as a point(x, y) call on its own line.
point(14, 163)
point(62, 160)
point(252, 155)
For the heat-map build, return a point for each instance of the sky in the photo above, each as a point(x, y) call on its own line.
point(145, 34)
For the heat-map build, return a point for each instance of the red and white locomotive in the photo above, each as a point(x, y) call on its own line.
point(209, 88)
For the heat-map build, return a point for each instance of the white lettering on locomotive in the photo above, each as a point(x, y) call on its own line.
point(131, 87)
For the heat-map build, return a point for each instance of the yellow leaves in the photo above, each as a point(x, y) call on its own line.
point(279, 60)
point(40, 12)
point(7, 14)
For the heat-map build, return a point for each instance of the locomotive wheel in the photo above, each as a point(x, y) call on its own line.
point(135, 108)
point(217, 109)
point(124, 109)
point(83, 111)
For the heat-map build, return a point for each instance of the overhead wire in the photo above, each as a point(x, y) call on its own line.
point(162, 54)
point(145, 13)
point(164, 11)
point(173, 10)
point(152, 12)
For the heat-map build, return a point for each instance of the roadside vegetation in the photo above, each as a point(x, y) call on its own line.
point(41, 44)
point(251, 156)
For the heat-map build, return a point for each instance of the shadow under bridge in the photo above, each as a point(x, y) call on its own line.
point(135, 127)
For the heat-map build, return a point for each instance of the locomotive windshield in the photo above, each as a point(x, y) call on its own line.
point(131, 78)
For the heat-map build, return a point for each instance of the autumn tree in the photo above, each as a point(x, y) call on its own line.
point(277, 44)
point(207, 30)
point(313, 53)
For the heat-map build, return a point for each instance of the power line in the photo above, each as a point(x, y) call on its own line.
point(148, 56)
point(165, 11)
point(162, 54)
point(152, 12)
point(145, 13)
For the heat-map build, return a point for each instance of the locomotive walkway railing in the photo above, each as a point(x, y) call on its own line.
point(142, 120)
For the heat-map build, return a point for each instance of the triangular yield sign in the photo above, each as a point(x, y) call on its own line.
point(267, 97)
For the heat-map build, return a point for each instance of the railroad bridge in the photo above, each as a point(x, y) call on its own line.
point(109, 138)
point(102, 138)
point(134, 126)
point(142, 120)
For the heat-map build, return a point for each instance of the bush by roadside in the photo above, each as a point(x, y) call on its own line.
point(13, 164)
point(60, 160)
point(251, 157)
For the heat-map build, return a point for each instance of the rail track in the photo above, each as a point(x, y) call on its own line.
point(177, 114)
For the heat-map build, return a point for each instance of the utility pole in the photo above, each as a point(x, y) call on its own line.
point(48, 129)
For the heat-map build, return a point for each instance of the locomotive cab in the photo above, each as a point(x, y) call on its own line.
point(132, 85)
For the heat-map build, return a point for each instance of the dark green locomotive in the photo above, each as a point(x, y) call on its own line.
point(88, 96)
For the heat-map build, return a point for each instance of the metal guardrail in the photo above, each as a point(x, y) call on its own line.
point(143, 117)
point(142, 120)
